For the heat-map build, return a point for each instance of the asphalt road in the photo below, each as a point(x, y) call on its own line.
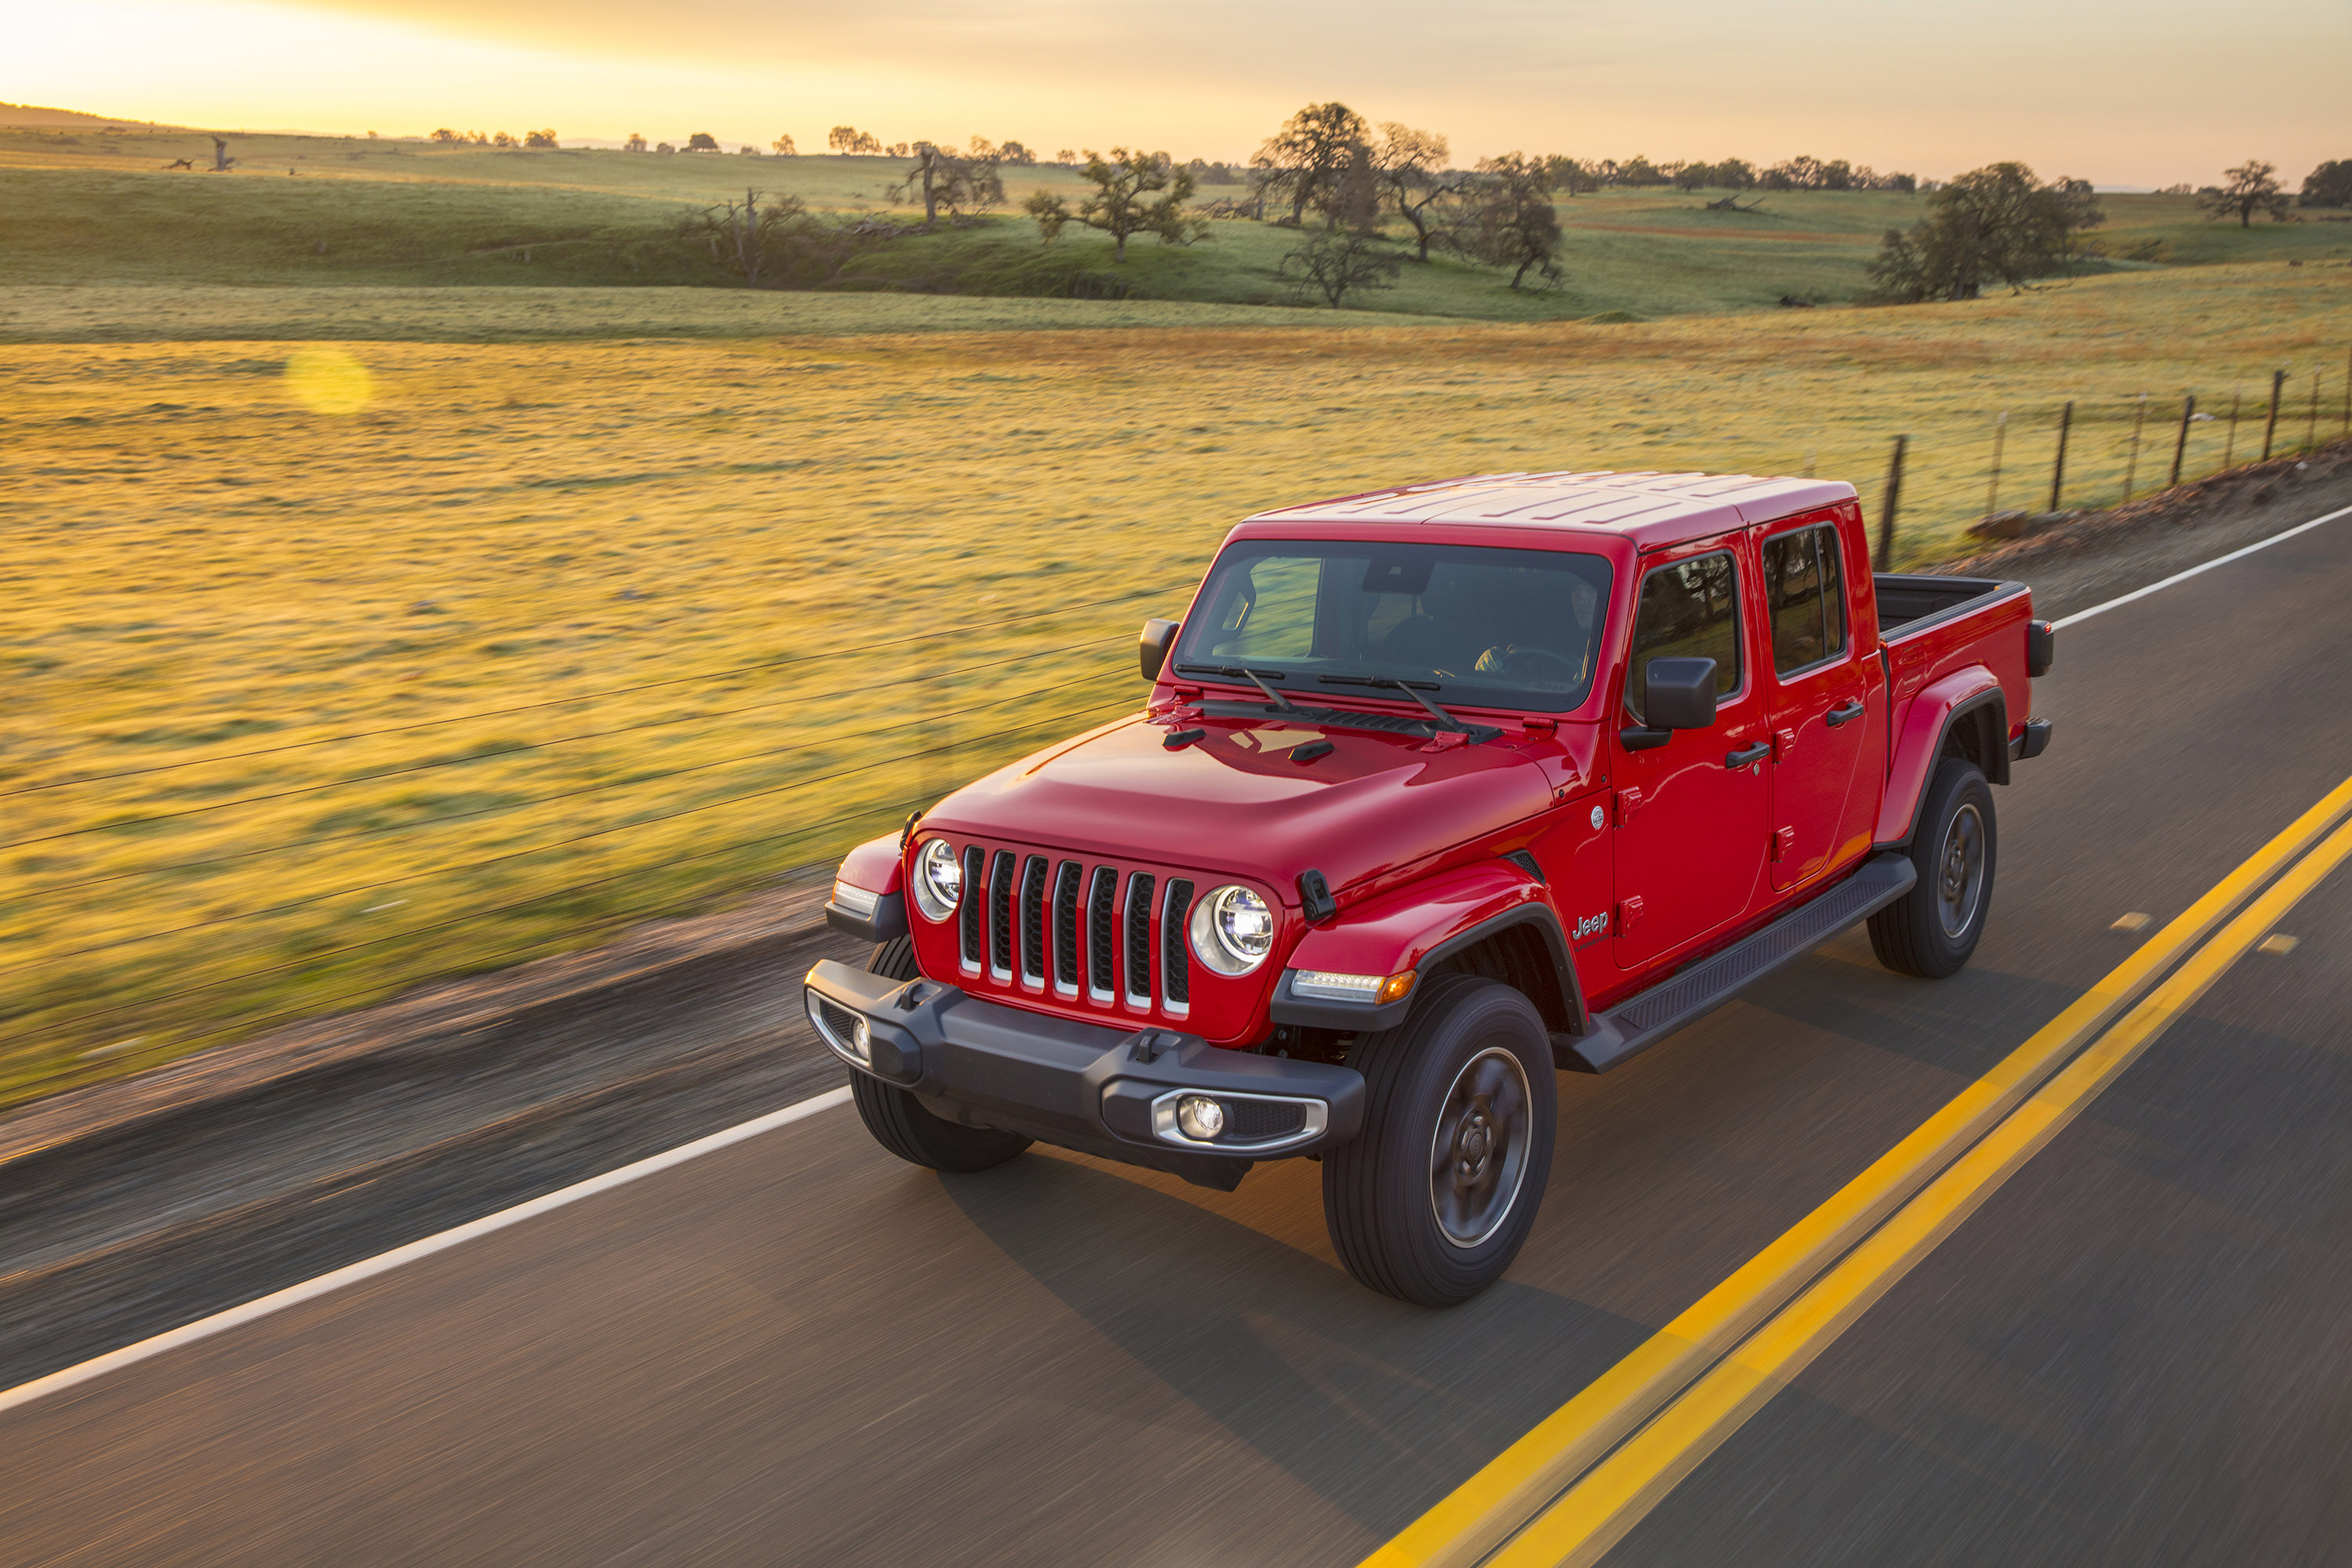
point(799, 1351)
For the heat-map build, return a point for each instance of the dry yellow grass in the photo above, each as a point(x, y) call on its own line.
point(205, 576)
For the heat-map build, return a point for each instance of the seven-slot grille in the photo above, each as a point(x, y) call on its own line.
point(1030, 921)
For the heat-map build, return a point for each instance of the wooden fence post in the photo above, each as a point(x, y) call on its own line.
point(1992, 485)
point(1886, 513)
point(2181, 446)
point(2058, 468)
point(2131, 464)
point(2269, 425)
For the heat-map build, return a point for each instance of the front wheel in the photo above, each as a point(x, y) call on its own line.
point(899, 1121)
point(1432, 1200)
point(1932, 930)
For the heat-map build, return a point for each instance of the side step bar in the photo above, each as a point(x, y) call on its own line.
point(1644, 1020)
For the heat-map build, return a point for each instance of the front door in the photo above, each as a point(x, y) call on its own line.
point(1691, 834)
point(1819, 721)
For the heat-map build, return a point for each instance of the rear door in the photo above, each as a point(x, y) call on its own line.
point(1690, 836)
point(1816, 691)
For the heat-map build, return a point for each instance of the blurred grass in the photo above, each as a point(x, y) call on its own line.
point(202, 568)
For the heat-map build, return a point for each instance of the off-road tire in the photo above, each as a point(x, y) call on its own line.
point(1917, 934)
point(1380, 1192)
point(898, 1119)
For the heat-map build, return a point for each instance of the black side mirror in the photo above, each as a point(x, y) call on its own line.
point(1158, 638)
point(1679, 693)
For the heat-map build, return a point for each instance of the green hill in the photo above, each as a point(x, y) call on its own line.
point(107, 206)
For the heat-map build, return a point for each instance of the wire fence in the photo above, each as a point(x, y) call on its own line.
point(1958, 485)
point(145, 922)
point(117, 966)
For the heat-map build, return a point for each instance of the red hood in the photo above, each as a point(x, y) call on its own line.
point(1235, 803)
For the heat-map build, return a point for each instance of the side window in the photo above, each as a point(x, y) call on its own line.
point(1804, 593)
point(1688, 610)
point(1832, 594)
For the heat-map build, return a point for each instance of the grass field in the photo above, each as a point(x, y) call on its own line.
point(212, 581)
point(85, 210)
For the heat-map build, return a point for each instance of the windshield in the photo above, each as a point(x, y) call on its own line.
point(1500, 628)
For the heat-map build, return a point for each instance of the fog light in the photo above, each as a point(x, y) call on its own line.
point(1200, 1118)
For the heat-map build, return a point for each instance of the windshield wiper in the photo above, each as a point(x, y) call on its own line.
point(1415, 690)
point(1255, 677)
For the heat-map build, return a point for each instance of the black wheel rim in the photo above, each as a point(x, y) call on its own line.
point(1959, 871)
point(1479, 1152)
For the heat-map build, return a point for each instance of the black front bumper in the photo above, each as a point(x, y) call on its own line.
point(1103, 1091)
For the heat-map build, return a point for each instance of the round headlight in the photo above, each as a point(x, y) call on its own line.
point(938, 879)
point(1232, 931)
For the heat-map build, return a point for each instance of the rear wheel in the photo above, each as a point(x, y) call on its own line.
point(1932, 930)
point(899, 1120)
point(1432, 1200)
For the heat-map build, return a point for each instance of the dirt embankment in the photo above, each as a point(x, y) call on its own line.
point(2096, 555)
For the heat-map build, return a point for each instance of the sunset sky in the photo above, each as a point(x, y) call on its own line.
point(2126, 92)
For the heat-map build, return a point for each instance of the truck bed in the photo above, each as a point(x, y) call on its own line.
point(1909, 604)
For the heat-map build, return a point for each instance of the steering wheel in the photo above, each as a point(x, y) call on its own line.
point(1535, 663)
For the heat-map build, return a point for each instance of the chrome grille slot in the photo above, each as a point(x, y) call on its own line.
point(974, 858)
point(1032, 919)
point(1067, 878)
point(1138, 921)
point(1099, 900)
point(1175, 962)
point(1000, 915)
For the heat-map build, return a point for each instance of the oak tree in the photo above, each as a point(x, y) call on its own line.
point(1309, 157)
point(2251, 188)
point(1135, 191)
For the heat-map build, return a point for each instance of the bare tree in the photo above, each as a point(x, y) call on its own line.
point(222, 162)
point(1135, 192)
point(1307, 158)
point(2253, 187)
point(961, 184)
point(760, 244)
point(1411, 167)
point(1337, 263)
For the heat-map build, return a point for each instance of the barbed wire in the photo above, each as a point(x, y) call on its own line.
point(315, 1006)
point(587, 695)
point(48, 959)
point(503, 908)
point(540, 745)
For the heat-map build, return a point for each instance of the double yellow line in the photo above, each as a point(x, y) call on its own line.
point(1572, 1487)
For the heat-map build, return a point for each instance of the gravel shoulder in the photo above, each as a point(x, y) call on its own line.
point(133, 1206)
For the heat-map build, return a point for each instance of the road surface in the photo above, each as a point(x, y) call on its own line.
point(795, 1350)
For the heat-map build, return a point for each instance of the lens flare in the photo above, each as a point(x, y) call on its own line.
point(329, 381)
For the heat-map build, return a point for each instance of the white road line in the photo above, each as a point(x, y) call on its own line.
point(384, 1262)
point(2193, 571)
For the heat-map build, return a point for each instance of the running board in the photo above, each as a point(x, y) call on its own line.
point(1646, 1019)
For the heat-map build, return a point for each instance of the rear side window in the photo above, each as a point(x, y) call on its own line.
point(1804, 592)
point(1688, 610)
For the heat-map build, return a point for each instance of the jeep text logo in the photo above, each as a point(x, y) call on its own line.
point(1591, 925)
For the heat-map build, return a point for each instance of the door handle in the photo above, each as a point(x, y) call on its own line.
point(1747, 755)
point(1843, 712)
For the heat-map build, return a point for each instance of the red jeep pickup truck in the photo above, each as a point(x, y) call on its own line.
point(1438, 789)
